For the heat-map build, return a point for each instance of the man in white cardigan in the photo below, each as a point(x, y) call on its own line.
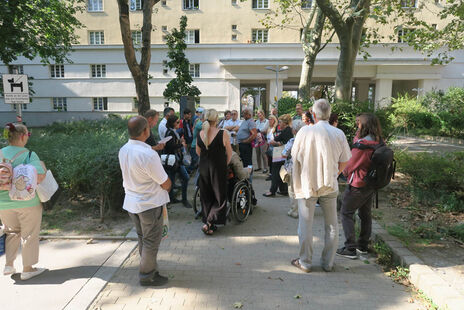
point(319, 153)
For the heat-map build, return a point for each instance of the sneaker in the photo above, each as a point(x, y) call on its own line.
point(265, 171)
point(186, 204)
point(296, 262)
point(362, 251)
point(268, 178)
point(156, 280)
point(32, 274)
point(258, 169)
point(351, 254)
point(293, 214)
point(9, 270)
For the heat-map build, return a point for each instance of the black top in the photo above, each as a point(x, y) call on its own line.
point(285, 135)
point(151, 141)
point(173, 146)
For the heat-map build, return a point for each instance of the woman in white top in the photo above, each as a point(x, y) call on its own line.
point(262, 124)
point(272, 129)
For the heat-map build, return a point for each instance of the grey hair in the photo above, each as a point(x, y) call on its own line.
point(297, 125)
point(322, 109)
point(248, 110)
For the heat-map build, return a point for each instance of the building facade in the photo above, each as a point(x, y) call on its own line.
point(229, 50)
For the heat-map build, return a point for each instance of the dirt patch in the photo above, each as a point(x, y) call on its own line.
point(73, 216)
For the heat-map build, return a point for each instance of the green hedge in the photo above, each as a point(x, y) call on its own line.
point(436, 179)
point(83, 157)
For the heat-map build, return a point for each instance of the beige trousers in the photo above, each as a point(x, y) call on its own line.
point(22, 226)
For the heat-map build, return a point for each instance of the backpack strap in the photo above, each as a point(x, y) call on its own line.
point(19, 154)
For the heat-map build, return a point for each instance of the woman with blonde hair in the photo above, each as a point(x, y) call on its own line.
point(278, 161)
point(262, 124)
point(21, 218)
point(215, 151)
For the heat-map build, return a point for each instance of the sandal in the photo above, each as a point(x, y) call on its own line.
point(206, 229)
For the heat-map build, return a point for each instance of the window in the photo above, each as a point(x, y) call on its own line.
point(59, 104)
point(165, 67)
point(306, 4)
point(163, 3)
point(96, 37)
point(136, 5)
point(95, 5)
point(164, 28)
point(98, 71)
point(192, 36)
point(234, 37)
point(15, 107)
point(191, 4)
point(194, 70)
point(259, 35)
point(402, 33)
point(234, 27)
point(164, 38)
point(15, 69)
point(136, 37)
point(408, 3)
point(260, 4)
point(234, 2)
point(57, 71)
point(100, 104)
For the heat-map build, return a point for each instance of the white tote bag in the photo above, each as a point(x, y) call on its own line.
point(47, 187)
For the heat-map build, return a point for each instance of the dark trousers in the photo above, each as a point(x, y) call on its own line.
point(276, 181)
point(246, 154)
point(182, 171)
point(357, 199)
point(149, 227)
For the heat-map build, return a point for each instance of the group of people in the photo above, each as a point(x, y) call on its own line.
point(308, 147)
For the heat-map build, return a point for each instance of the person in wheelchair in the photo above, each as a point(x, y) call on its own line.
point(237, 174)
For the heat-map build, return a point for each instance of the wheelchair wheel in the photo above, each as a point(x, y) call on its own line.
point(196, 201)
point(241, 201)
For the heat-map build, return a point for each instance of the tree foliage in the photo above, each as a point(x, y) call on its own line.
point(181, 85)
point(43, 28)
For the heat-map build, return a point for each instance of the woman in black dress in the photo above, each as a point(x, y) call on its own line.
point(215, 151)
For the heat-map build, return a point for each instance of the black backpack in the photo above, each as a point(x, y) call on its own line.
point(383, 165)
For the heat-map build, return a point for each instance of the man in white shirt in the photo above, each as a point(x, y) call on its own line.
point(319, 154)
point(146, 185)
point(232, 125)
point(162, 125)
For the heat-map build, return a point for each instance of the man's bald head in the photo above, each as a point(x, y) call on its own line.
point(136, 126)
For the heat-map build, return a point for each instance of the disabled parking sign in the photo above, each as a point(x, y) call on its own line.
point(15, 88)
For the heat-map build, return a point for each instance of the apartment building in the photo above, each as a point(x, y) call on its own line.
point(229, 50)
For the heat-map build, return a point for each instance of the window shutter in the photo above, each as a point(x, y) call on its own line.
point(197, 36)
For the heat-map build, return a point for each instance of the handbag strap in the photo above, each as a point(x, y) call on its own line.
point(2, 157)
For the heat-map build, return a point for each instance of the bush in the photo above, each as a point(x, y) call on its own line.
point(286, 105)
point(436, 180)
point(83, 156)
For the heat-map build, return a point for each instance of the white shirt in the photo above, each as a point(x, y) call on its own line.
point(162, 128)
point(235, 123)
point(316, 153)
point(142, 175)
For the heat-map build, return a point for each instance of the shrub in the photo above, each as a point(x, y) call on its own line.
point(83, 156)
point(286, 105)
point(436, 179)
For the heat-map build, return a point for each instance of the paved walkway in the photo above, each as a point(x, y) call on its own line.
point(412, 144)
point(249, 264)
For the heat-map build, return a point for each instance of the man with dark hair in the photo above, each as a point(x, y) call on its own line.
point(152, 118)
point(185, 127)
point(162, 126)
point(146, 185)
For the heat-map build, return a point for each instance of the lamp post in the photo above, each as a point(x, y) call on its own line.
point(277, 69)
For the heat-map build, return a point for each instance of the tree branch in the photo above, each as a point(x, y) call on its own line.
point(146, 35)
point(129, 52)
point(332, 13)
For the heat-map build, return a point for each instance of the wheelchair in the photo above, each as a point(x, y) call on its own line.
point(241, 199)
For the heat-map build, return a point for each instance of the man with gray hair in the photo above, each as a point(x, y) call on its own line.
point(146, 186)
point(245, 135)
point(319, 153)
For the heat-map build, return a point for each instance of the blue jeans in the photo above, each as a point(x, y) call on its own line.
point(195, 157)
point(185, 178)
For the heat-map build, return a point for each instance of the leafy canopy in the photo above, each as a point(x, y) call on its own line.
point(181, 85)
point(43, 28)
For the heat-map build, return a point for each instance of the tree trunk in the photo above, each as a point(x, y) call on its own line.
point(345, 70)
point(143, 97)
point(311, 47)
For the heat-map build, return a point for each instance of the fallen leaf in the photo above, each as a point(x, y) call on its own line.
point(171, 276)
point(238, 264)
point(90, 241)
point(238, 305)
point(297, 296)
point(410, 300)
point(366, 262)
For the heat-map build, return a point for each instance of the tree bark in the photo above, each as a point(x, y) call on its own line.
point(139, 71)
point(311, 47)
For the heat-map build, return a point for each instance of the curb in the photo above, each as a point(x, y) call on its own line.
point(92, 288)
point(421, 275)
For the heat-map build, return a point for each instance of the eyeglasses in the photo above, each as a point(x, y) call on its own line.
point(27, 134)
